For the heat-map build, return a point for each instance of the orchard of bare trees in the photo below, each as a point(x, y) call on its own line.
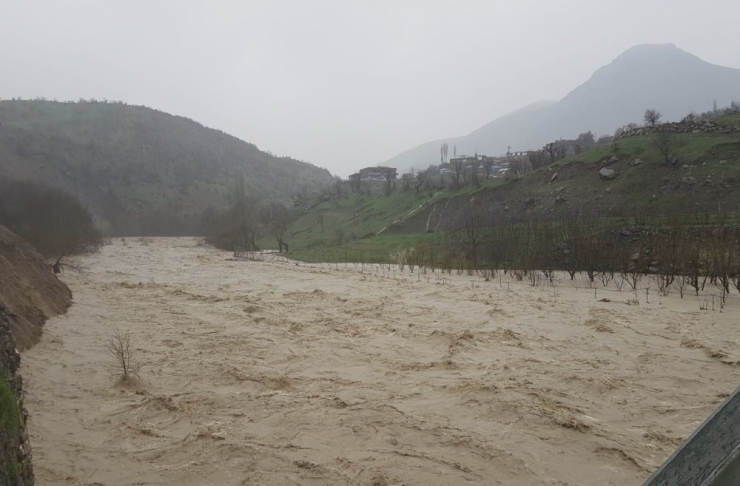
point(678, 253)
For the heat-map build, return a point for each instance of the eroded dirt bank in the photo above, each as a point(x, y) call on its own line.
point(264, 373)
point(29, 294)
point(28, 288)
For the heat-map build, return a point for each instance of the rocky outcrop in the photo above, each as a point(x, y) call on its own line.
point(28, 288)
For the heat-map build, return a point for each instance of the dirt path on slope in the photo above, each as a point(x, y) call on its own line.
point(265, 373)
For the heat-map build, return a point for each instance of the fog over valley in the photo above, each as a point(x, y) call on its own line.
point(341, 85)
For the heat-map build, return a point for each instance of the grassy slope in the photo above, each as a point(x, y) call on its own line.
point(697, 182)
point(358, 222)
point(699, 157)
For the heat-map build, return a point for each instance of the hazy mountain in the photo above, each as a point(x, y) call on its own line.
point(646, 76)
point(140, 171)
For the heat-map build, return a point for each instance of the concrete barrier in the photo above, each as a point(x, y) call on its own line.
point(710, 456)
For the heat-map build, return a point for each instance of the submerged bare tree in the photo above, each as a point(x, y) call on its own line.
point(123, 358)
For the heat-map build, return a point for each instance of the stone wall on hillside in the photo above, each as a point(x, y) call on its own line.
point(15, 448)
point(686, 126)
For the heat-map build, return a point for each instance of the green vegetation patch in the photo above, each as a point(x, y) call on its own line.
point(686, 147)
point(9, 416)
point(333, 221)
point(350, 217)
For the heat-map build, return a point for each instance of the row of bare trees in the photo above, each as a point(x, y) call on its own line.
point(680, 255)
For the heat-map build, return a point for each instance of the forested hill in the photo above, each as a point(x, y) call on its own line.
point(141, 171)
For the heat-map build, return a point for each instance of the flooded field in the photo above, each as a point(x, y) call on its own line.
point(277, 373)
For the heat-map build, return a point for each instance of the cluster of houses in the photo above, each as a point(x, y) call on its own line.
point(491, 166)
point(378, 173)
point(496, 166)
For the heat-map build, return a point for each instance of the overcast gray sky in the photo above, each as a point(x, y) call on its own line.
point(342, 84)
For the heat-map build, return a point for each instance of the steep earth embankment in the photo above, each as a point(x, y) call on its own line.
point(28, 289)
point(29, 294)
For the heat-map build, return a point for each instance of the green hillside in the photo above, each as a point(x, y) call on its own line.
point(370, 219)
point(702, 176)
point(140, 171)
point(703, 170)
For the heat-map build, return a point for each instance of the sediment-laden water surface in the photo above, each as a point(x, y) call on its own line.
point(275, 373)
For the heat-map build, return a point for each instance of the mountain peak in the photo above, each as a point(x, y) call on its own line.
point(660, 76)
point(645, 54)
point(660, 49)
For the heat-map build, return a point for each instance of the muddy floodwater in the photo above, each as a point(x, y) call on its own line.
point(273, 373)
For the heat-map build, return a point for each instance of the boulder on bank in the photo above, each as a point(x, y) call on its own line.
point(607, 174)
